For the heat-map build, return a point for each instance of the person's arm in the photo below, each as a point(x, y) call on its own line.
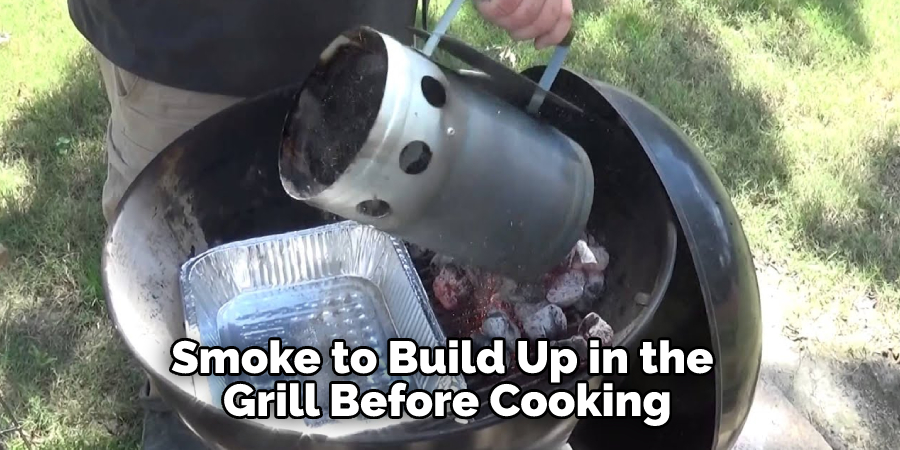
point(546, 21)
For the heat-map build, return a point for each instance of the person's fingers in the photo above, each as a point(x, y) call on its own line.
point(525, 13)
point(560, 30)
point(496, 10)
point(545, 21)
point(542, 24)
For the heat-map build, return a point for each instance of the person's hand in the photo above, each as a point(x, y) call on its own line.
point(546, 21)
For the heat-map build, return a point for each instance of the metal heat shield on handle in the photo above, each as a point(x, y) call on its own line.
point(550, 72)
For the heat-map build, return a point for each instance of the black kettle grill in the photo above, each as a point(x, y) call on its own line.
point(658, 206)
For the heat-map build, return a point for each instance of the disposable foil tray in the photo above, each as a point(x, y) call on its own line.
point(342, 281)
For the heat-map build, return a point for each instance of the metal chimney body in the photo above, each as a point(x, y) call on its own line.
point(384, 136)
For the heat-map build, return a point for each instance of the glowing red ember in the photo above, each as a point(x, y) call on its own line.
point(484, 305)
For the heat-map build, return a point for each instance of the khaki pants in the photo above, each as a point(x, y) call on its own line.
point(145, 117)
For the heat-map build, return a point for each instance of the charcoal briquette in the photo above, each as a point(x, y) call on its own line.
point(593, 326)
point(548, 322)
point(567, 289)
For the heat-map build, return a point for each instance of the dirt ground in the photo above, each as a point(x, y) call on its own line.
point(854, 402)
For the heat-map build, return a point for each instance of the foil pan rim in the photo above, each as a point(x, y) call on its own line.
point(391, 247)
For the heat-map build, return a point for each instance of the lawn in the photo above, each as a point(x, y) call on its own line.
point(795, 102)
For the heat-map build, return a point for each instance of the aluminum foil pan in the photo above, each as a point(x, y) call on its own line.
point(342, 281)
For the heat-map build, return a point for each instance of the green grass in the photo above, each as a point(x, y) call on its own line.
point(796, 103)
point(61, 366)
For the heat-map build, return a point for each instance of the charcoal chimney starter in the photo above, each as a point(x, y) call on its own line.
point(382, 135)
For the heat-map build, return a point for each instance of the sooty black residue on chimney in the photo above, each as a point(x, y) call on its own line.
point(334, 114)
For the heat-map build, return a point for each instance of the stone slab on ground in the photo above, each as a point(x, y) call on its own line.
point(774, 424)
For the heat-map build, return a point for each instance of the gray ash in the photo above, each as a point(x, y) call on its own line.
point(473, 303)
